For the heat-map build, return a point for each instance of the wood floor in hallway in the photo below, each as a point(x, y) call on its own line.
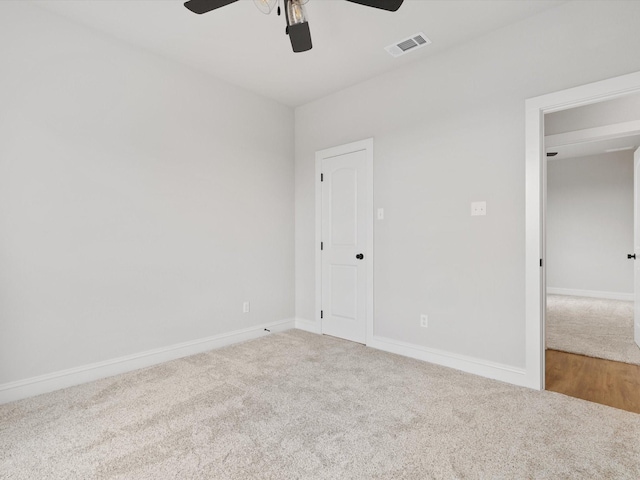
point(594, 379)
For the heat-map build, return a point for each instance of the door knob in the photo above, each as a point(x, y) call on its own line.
point(360, 256)
point(631, 256)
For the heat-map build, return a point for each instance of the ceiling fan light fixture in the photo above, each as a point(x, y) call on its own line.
point(265, 6)
point(620, 149)
point(297, 26)
point(295, 12)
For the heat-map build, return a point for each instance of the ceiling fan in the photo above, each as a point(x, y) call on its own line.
point(297, 25)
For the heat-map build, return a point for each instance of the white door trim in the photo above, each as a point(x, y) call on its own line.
point(535, 193)
point(636, 246)
point(367, 145)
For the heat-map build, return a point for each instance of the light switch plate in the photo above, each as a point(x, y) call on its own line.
point(381, 214)
point(478, 208)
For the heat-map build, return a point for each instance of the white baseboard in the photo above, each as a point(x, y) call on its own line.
point(95, 371)
point(591, 293)
point(476, 366)
point(308, 325)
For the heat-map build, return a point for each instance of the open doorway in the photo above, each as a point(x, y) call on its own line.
point(589, 229)
point(536, 197)
point(589, 244)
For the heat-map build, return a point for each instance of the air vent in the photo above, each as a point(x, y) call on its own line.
point(408, 45)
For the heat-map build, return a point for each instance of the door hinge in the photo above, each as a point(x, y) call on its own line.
point(322, 177)
point(540, 262)
point(321, 245)
point(321, 314)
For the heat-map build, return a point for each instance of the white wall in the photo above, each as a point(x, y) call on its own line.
point(140, 202)
point(590, 223)
point(450, 130)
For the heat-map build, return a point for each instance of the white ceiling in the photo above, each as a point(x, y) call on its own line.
point(608, 112)
point(598, 147)
point(239, 44)
point(594, 129)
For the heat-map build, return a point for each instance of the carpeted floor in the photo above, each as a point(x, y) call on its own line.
point(591, 326)
point(294, 405)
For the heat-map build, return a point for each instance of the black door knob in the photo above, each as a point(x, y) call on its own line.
point(360, 256)
point(631, 256)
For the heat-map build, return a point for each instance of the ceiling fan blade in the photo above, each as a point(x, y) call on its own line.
point(204, 6)
point(300, 37)
point(391, 5)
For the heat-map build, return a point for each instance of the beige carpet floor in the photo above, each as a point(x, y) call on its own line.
point(294, 405)
point(592, 326)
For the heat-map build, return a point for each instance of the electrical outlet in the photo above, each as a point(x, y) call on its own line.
point(246, 307)
point(424, 321)
point(478, 208)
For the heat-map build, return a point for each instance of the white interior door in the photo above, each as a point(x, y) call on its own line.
point(344, 245)
point(636, 245)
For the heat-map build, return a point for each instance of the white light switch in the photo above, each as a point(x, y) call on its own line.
point(478, 208)
point(381, 214)
point(246, 307)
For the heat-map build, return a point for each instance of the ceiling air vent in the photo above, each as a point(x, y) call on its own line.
point(408, 45)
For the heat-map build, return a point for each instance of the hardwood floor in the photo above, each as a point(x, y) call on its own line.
point(594, 379)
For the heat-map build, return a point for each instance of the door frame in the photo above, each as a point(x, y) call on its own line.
point(535, 200)
point(636, 228)
point(366, 145)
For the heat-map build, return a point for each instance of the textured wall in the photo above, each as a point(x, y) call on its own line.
point(140, 202)
point(590, 223)
point(449, 130)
